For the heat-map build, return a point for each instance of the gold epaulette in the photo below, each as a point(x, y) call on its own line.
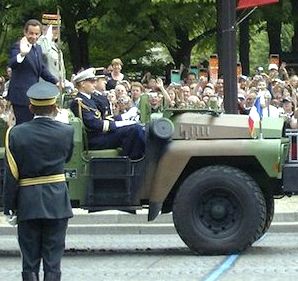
point(109, 117)
point(81, 105)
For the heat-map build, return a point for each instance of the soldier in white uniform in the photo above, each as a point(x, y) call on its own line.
point(52, 54)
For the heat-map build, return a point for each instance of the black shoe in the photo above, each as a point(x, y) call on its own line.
point(52, 276)
point(30, 276)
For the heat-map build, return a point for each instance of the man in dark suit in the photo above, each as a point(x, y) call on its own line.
point(27, 67)
point(103, 129)
point(34, 184)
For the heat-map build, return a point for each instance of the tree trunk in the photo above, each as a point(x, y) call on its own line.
point(274, 31)
point(3, 35)
point(181, 53)
point(83, 43)
point(78, 46)
point(77, 40)
point(181, 57)
point(244, 46)
point(73, 45)
point(295, 24)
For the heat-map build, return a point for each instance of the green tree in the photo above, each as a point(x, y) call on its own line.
point(182, 26)
point(131, 28)
point(97, 31)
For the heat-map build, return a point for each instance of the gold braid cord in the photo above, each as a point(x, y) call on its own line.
point(11, 161)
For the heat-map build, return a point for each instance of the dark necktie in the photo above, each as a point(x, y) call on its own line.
point(35, 54)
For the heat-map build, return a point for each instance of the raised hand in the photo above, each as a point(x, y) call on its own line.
point(159, 83)
point(25, 46)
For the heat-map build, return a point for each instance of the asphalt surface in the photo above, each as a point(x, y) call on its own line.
point(165, 257)
point(87, 230)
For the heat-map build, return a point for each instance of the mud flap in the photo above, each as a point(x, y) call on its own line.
point(290, 178)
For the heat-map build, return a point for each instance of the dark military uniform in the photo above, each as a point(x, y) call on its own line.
point(103, 105)
point(35, 187)
point(101, 127)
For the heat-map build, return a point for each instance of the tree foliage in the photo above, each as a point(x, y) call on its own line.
point(96, 31)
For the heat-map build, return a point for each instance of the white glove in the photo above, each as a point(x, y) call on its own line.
point(25, 46)
point(68, 84)
point(62, 116)
point(12, 218)
point(124, 123)
point(130, 114)
point(49, 34)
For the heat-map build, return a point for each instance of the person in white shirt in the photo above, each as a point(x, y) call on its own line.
point(268, 109)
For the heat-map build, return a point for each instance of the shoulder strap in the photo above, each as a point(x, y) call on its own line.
point(80, 106)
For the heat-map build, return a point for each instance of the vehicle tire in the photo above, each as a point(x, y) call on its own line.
point(269, 213)
point(219, 210)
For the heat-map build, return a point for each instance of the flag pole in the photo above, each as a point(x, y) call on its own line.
point(60, 61)
point(59, 51)
point(261, 128)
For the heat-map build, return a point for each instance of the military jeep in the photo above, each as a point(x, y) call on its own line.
point(202, 166)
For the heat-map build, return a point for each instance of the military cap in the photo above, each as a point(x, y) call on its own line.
point(51, 19)
point(86, 74)
point(43, 93)
point(100, 72)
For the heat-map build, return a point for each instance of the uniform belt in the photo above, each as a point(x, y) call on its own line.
point(42, 180)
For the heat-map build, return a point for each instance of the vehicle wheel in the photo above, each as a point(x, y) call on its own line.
point(219, 210)
point(269, 213)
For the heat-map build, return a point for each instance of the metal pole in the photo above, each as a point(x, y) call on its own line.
point(261, 129)
point(220, 18)
point(229, 55)
point(59, 52)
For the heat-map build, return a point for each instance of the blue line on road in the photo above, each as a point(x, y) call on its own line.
point(226, 265)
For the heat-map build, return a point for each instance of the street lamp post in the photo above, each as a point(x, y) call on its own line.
point(227, 16)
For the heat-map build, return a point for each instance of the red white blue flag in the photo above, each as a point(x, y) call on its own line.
point(255, 115)
point(245, 4)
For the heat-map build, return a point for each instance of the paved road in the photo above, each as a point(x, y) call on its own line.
point(165, 257)
point(135, 257)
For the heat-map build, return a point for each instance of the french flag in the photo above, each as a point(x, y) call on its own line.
point(255, 115)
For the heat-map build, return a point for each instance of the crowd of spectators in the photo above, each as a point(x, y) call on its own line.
point(6, 112)
point(277, 88)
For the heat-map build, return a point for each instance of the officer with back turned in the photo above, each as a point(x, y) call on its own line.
point(35, 190)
